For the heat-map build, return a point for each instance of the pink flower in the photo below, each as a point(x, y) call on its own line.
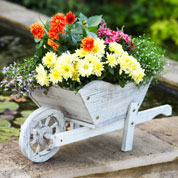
point(107, 40)
point(112, 36)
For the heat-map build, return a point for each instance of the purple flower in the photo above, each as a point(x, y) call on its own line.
point(13, 90)
point(8, 84)
point(17, 96)
point(4, 81)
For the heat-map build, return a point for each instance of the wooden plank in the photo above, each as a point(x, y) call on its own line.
point(129, 127)
point(105, 101)
point(69, 103)
point(74, 121)
point(84, 133)
point(149, 114)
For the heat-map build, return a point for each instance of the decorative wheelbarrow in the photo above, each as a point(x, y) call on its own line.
point(98, 108)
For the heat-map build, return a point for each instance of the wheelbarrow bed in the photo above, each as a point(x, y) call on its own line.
point(95, 103)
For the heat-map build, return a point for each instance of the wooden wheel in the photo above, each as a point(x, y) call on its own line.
point(35, 133)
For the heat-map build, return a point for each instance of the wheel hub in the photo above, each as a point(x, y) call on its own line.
point(40, 134)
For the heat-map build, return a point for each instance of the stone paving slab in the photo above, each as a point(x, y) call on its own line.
point(19, 15)
point(97, 155)
point(165, 170)
point(170, 78)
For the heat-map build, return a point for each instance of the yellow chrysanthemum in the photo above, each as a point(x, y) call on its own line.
point(42, 77)
point(75, 75)
point(85, 68)
point(131, 66)
point(116, 48)
point(138, 75)
point(66, 70)
point(99, 48)
point(97, 64)
point(91, 58)
point(55, 76)
point(98, 68)
point(49, 59)
point(111, 60)
point(81, 52)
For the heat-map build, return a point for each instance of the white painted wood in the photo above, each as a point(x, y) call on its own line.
point(95, 103)
point(69, 103)
point(77, 122)
point(32, 142)
point(129, 126)
point(105, 101)
point(84, 133)
point(149, 114)
point(99, 107)
point(133, 117)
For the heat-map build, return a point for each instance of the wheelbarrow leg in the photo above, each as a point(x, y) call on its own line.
point(129, 127)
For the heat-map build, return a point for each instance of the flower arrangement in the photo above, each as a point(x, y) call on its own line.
point(73, 51)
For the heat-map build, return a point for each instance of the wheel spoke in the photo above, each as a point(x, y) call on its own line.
point(40, 124)
point(38, 149)
point(33, 142)
point(34, 131)
point(47, 120)
point(54, 125)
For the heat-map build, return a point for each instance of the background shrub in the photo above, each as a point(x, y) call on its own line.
point(158, 18)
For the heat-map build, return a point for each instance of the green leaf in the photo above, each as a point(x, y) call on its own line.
point(4, 124)
point(4, 139)
point(47, 27)
point(77, 30)
point(94, 20)
point(37, 40)
point(20, 120)
point(92, 29)
point(91, 34)
point(26, 113)
point(8, 105)
point(5, 98)
point(82, 17)
point(40, 44)
point(74, 39)
point(111, 70)
point(9, 132)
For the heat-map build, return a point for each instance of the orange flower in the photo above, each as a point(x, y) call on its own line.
point(70, 18)
point(58, 22)
point(38, 30)
point(54, 45)
point(88, 43)
point(53, 34)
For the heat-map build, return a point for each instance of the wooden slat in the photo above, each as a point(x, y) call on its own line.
point(105, 101)
point(84, 133)
point(67, 101)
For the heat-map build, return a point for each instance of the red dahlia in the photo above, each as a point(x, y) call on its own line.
point(70, 18)
point(58, 22)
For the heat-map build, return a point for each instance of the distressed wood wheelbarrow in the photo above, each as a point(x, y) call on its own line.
point(98, 108)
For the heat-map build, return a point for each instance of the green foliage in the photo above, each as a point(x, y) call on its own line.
point(26, 113)
point(8, 105)
point(150, 56)
point(4, 124)
point(7, 133)
point(156, 17)
point(163, 30)
point(20, 120)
